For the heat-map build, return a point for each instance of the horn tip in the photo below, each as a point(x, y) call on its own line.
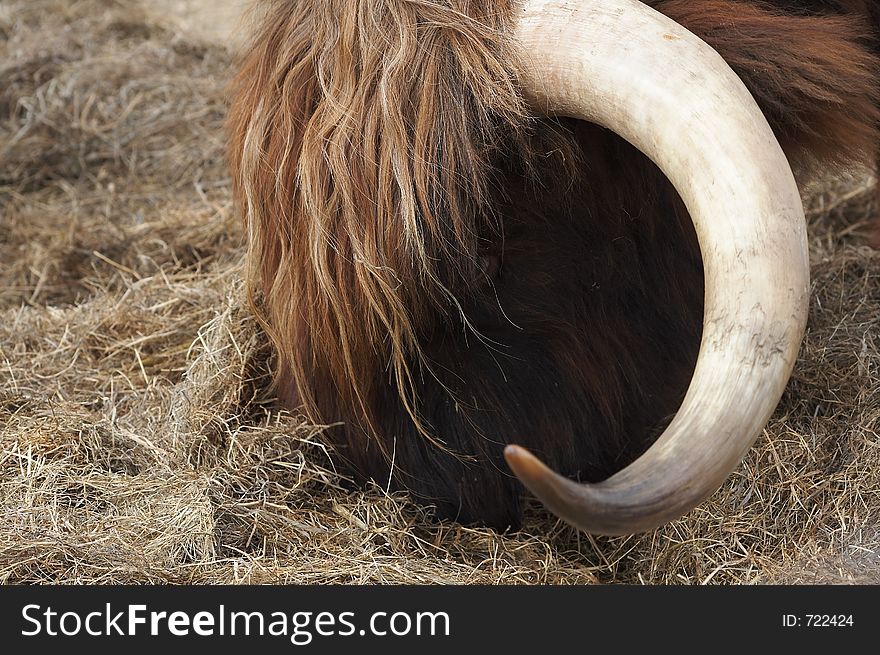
point(524, 465)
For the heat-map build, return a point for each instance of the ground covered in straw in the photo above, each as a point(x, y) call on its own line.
point(135, 443)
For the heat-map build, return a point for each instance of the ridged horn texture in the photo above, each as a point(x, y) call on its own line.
point(624, 66)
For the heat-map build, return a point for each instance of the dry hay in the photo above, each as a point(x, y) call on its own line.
point(136, 446)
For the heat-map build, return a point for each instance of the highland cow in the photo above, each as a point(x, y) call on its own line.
point(569, 225)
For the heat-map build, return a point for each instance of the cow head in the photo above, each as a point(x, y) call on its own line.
point(560, 227)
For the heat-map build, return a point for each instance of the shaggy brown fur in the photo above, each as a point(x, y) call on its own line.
point(443, 273)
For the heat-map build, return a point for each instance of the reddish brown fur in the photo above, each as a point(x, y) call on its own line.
point(381, 154)
point(814, 77)
point(365, 115)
